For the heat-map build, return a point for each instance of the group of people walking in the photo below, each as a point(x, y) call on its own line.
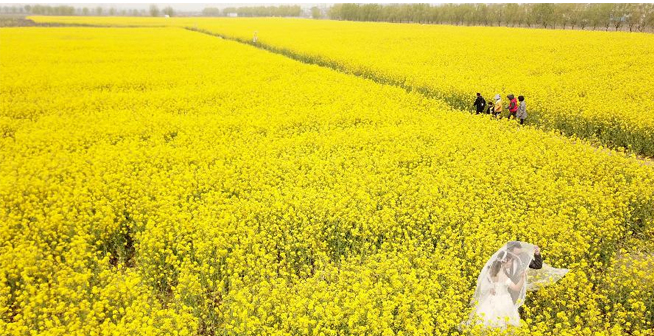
point(517, 108)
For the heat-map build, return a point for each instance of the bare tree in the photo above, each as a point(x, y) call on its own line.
point(576, 15)
point(543, 14)
point(563, 14)
point(648, 17)
point(497, 11)
point(154, 10)
point(169, 11)
point(316, 13)
point(618, 13)
point(512, 11)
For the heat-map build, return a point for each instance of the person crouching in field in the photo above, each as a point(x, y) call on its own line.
point(522, 110)
point(497, 109)
point(513, 106)
point(491, 108)
point(480, 103)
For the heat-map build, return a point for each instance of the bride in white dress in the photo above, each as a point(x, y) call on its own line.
point(496, 308)
point(503, 283)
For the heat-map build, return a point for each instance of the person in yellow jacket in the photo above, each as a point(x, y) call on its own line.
point(497, 111)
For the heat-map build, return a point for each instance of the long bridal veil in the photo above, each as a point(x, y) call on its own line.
point(519, 256)
point(522, 255)
point(538, 278)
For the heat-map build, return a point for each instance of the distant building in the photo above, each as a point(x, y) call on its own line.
point(232, 14)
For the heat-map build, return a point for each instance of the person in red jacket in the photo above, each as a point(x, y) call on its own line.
point(513, 106)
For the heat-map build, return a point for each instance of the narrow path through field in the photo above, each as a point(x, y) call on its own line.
point(452, 100)
point(598, 134)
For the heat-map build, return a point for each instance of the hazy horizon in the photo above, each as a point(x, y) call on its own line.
point(183, 7)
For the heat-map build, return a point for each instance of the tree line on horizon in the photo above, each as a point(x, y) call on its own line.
point(605, 16)
point(64, 10)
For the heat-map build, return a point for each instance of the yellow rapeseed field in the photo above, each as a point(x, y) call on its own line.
point(159, 181)
point(595, 85)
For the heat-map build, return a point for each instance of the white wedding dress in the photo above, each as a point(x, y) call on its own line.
point(498, 310)
point(495, 304)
